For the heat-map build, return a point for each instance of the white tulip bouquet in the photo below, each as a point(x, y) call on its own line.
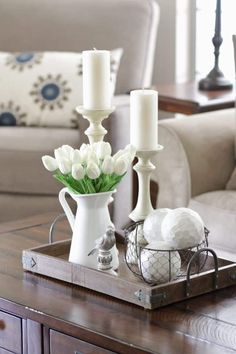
point(90, 169)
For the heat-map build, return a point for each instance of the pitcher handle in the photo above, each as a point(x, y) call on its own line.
point(66, 207)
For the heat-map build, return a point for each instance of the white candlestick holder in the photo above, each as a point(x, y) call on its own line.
point(144, 168)
point(95, 131)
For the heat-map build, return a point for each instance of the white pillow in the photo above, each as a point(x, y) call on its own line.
point(43, 88)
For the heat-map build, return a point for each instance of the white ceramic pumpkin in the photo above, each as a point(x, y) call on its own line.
point(159, 266)
point(135, 240)
point(152, 225)
point(183, 228)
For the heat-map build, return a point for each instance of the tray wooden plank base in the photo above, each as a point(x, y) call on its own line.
point(51, 260)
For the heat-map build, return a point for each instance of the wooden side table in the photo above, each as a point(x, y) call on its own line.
point(186, 98)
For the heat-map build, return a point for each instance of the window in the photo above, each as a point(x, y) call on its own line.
point(205, 27)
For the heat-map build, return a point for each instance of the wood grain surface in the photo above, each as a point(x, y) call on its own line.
point(186, 98)
point(204, 325)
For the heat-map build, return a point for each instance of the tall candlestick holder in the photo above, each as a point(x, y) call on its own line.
point(95, 131)
point(144, 168)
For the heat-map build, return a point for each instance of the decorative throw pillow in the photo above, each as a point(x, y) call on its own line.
point(43, 88)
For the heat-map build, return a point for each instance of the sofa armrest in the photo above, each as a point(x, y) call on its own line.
point(198, 156)
point(172, 172)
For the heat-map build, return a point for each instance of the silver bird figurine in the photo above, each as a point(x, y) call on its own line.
point(103, 245)
point(106, 242)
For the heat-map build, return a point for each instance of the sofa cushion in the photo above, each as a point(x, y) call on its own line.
point(21, 150)
point(218, 211)
point(43, 88)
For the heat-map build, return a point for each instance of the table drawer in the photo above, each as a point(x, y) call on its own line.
point(10, 333)
point(61, 343)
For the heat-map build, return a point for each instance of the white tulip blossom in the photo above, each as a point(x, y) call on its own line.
point(130, 149)
point(77, 171)
point(128, 153)
point(83, 147)
point(67, 150)
point(107, 166)
point(85, 150)
point(64, 166)
point(92, 157)
point(90, 169)
point(59, 154)
point(93, 171)
point(102, 149)
point(118, 154)
point(49, 163)
point(121, 165)
point(76, 157)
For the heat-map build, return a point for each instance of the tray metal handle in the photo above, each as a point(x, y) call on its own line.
point(215, 274)
point(53, 225)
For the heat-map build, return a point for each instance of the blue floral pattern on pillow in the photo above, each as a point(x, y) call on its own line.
point(44, 88)
point(50, 92)
point(10, 114)
point(21, 61)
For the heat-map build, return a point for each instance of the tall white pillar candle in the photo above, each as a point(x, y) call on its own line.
point(96, 79)
point(143, 119)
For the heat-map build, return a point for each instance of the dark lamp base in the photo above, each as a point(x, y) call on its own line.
point(215, 80)
point(208, 84)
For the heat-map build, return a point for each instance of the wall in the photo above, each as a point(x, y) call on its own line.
point(164, 70)
point(175, 53)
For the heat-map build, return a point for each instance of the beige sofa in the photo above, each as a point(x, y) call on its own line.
point(71, 25)
point(194, 170)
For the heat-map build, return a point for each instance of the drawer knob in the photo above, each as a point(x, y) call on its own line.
point(2, 325)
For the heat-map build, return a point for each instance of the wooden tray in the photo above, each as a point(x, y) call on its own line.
point(51, 260)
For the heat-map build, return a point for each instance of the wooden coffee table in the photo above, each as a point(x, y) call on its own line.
point(40, 315)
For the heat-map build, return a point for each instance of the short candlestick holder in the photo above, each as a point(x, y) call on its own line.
point(95, 131)
point(144, 168)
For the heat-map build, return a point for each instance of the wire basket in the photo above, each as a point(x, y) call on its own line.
point(156, 266)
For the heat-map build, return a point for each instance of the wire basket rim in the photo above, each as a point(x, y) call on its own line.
point(134, 225)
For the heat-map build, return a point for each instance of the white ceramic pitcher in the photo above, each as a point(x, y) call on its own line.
point(90, 223)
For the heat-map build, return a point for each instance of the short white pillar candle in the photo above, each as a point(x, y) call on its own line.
point(143, 119)
point(96, 79)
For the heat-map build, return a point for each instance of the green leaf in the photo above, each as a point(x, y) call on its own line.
point(103, 183)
